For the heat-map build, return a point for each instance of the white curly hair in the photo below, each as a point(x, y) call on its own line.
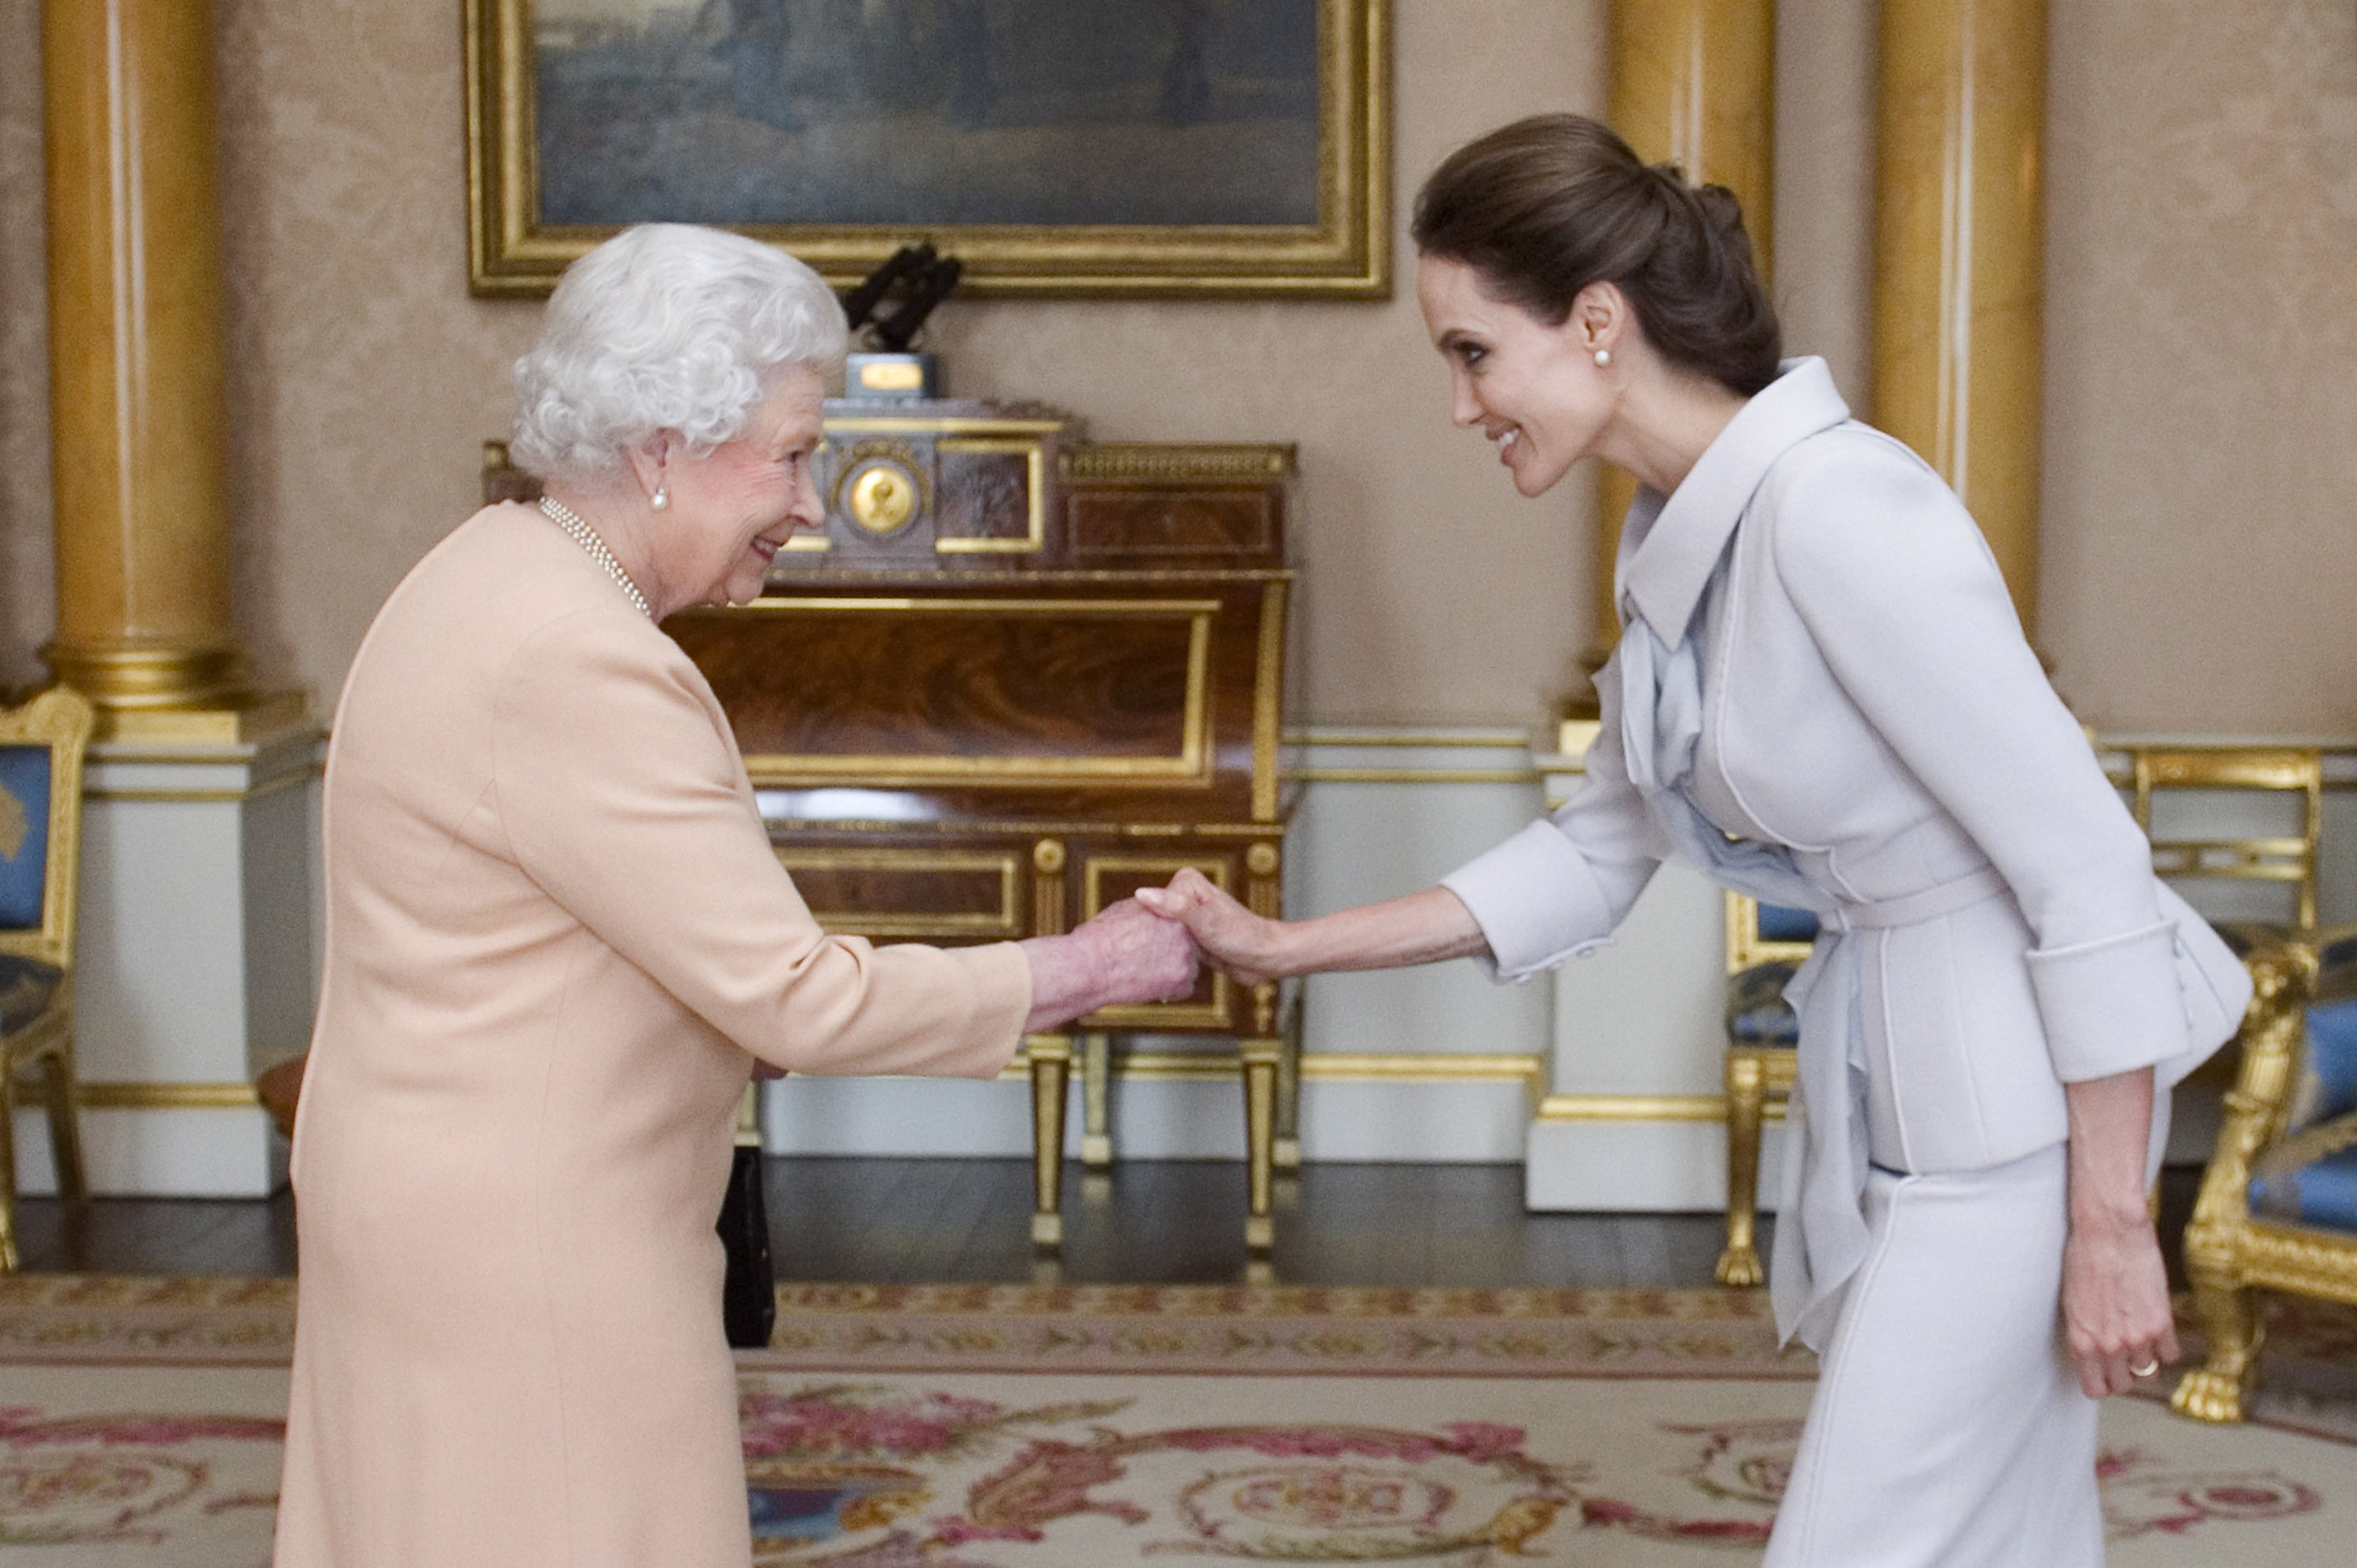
point(664, 327)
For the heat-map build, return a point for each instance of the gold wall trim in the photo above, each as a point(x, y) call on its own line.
point(1034, 454)
point(1192, 764)
point(1487, 740)
point(165, 1096)
point(1329, 1066)
point(1176, 463)
point(1427, 1067)
point(1643, 1108)
point(1413, 775)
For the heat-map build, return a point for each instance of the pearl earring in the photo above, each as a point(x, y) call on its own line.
point(1603, 358)
point(661, 500)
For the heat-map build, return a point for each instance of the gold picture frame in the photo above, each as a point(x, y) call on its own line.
point(517, 249)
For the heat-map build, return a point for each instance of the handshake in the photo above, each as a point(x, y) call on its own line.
point(1147, 948)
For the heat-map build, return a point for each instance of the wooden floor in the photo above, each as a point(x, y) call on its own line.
point(1151, 1222)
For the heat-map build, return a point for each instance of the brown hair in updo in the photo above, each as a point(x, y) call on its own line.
point(1545, 205)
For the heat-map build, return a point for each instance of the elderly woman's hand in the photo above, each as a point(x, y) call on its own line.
point(1123, 956)
point(1235, 942)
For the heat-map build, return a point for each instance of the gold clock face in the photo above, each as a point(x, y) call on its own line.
point(884, 497)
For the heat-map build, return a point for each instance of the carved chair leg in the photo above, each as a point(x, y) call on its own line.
point(1287, 1152)
point(1096, 1104)
point(2219, 1390)
point(1051, 1063)
point(7, 1166)
point(65, 1126)
point(1739, 1264)
point(1259, 1059)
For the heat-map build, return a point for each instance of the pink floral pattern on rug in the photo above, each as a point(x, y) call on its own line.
point(833, 1465)
point(829, 1463)
point(116, 1478)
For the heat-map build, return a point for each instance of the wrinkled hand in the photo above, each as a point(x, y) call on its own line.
point(2116, 1304)
point(1123, 956)
point(1235, 942)
point(1145, 958)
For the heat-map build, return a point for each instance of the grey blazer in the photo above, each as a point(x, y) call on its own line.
point(1868, 701)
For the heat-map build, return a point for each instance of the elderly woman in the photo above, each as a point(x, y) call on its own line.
point(1823, 698)
point(558, 947)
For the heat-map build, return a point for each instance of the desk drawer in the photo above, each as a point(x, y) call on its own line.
point(929, 893)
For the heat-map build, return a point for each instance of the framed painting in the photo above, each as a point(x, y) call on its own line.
point(1054, 146)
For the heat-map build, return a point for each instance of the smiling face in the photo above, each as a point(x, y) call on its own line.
point(1535, 391)
point(736, 506)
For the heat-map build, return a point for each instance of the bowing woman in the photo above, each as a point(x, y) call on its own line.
point(1823, 699)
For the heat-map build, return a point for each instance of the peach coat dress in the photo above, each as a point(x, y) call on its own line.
point(557, 942)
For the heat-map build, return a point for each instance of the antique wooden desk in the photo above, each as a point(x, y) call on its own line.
point(1017, 677)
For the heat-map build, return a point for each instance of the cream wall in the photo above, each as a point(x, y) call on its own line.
point(2201, 519)
point(2202, 309)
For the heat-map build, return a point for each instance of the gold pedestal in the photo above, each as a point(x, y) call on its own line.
point(1693, 83)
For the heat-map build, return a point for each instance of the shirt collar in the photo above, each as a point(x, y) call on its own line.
point(1670, 544)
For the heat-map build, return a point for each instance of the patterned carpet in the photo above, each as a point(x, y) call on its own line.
point(1088, 1427)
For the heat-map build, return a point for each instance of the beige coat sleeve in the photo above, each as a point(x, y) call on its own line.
point(624, 800)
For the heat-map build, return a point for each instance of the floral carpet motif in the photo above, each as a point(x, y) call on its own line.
point(899, 1473)
point(1083, 1428)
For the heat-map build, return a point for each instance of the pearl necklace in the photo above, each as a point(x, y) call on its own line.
point(581, 533)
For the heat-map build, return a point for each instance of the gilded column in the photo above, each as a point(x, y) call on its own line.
point(1959, 259)
point(1693, 83)
point(137, 351)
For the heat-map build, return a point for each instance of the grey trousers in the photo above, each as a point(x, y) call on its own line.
point(1948, 1429)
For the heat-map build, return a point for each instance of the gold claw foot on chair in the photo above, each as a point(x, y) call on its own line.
point(2205, 1395)
point(1740, 1267)
point(1047, 1230)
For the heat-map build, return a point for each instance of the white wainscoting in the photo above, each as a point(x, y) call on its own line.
point(195, 963)
point(199, 943)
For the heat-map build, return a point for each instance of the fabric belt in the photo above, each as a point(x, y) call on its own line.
point(1945, 898)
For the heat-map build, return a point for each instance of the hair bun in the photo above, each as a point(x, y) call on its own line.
point(1551, 204)
point(1720, 205)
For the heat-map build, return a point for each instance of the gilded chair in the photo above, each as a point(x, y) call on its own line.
point(2288, 860)
point(1765, 946)
point(2282, 862)
point(2277, 1208)
point(41, 747)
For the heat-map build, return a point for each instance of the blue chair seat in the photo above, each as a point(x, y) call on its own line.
point(2327, 1085)
point(2323, 1191)
point(2322, 1194)
point(1756, 1013)
point(25, 987)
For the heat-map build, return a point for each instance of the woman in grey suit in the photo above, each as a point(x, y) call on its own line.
point(1824, 698)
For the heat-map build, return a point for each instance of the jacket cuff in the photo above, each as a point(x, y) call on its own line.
point(1535, 901)
point(2111, 1007)
point(1001, 973)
